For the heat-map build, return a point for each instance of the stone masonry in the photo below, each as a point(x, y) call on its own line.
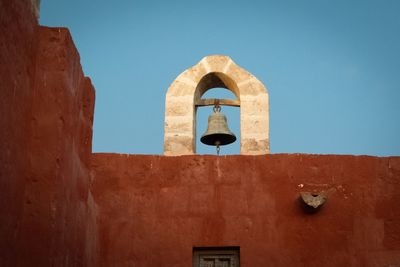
point(187, 89)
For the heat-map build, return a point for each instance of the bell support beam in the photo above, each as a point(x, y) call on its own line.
point(221, 102)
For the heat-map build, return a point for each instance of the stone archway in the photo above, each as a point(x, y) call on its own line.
point(185, 93)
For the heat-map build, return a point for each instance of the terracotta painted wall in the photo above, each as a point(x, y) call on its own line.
point(18, 29)
point(59, 212)
point(154, 209)
point(47, 214)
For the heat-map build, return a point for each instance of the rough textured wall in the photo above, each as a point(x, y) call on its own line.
point(154, 209)
point(59, 213)
point(47, 214)
point(18, 37)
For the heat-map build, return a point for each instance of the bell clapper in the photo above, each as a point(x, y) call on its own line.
point(217, 145)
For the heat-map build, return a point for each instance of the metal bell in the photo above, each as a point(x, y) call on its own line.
point(218, 133)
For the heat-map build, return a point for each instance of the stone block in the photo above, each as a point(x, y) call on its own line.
point(176, 125)
point(216, 63)
point(178, 145)
point(193, 75)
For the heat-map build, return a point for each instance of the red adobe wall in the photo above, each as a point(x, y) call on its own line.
point(154, 209)
point(18, 29)
point(47, 214)
point(59, 212)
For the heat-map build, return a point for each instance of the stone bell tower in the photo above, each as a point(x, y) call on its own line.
point(184, 97)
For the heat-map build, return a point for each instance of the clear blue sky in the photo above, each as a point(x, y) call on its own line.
point(332, 68)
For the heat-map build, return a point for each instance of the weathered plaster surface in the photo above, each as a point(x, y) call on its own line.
point(47, 213)
point(155, 209)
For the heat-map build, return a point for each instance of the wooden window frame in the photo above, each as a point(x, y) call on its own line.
point(198, 252)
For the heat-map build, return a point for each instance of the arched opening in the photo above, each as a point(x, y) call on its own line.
point(184, 98)
point(217, 86)
point(216, 80)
